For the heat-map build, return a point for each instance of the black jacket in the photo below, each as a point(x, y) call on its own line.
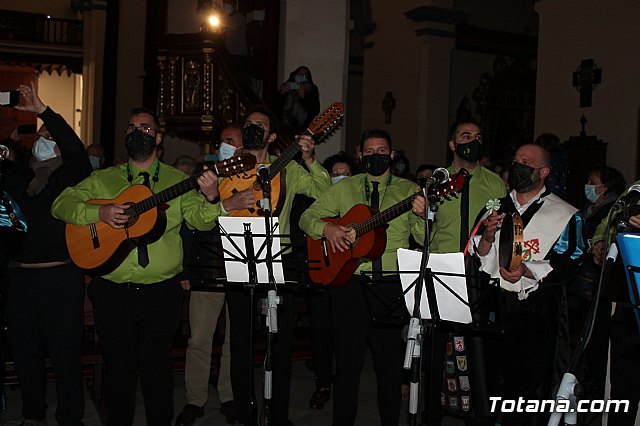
point(45, 241)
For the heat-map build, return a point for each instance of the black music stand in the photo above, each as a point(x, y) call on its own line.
point(252, 263)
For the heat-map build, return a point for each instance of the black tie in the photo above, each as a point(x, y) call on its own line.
point(464, 214)
point(375, 205)
point(143, 254)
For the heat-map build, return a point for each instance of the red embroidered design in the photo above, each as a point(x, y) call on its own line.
point(531, 247)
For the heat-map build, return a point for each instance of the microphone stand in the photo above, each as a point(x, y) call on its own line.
point(414, 330)
point(270, 304)
point(570, 390)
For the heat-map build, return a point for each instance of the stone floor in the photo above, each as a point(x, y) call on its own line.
point(300, 413)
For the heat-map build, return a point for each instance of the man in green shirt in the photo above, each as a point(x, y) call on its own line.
point(137, 306)
point(351, 315)
point(259, 131)
point(453, 223)
point(450, 234)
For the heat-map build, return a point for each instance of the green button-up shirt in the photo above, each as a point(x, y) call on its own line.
point(298, 181)
point(483, 186)
point(165, 254)
point(341, 197)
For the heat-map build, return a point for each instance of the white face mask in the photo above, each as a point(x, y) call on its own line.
point(95, 162)
point(43, 149)
point(226, 151)
point(336, 179)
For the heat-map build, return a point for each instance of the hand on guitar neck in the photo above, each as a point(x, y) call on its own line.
point(117, 215)
point(307, 145)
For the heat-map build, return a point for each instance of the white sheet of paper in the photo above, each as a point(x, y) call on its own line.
point(236, 270)
point(450, 308)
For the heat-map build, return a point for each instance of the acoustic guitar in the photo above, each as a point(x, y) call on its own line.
point(319, 128)
point(335, 269)
point(99, 249)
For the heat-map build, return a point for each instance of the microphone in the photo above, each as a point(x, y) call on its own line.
point(630, 199)
point(439, 177)
point(263, 172)
point(4, 152)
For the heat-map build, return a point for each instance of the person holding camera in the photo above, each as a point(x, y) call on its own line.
point(46, 292)
point(298, 101)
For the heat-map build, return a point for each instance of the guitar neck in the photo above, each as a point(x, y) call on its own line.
point(383, 217)
point(167, 194)
point(281, 162)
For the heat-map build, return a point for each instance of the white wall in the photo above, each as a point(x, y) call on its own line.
point(315, 34)
point(608, 33)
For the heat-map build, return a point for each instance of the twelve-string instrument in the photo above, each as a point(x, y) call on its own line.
point(320, 127)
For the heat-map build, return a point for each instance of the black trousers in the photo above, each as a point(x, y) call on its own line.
point(530, 350)
point(136, 330)
point(353, 326)
point(45, 316)
point(319, 307)
point(625, 365)
point(239, 304)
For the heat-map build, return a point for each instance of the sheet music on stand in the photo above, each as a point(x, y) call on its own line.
point(449, 280)
point(235, 249)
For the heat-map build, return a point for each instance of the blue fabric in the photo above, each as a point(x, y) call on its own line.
point(10, 214)
point(563, 243)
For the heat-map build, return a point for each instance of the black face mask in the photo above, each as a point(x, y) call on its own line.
point(521, 177)
point(253, 137)
point(139, 145)
point(376, 164)
point(471, 151)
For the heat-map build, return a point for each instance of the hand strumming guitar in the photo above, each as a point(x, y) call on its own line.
point(339, 237)
point(114, 215)
point(241, 200)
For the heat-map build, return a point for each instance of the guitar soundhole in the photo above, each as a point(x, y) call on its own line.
point(133, 215)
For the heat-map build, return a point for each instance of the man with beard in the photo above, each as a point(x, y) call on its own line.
point(533, 301)
point(137, 306)
point(259, 130)
point(353, 307)
point(453, 223)
point(46, 291)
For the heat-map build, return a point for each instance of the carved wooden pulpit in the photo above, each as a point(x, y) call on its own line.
point(198, 95)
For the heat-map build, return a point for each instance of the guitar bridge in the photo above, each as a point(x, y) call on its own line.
point(94, 236)
point(325, 251)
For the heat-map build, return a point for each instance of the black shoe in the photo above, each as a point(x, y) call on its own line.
point(229, 409)
point(189, 415)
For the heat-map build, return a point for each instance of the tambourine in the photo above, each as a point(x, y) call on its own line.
point(511, 242)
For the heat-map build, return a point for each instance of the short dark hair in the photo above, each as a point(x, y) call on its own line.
point(454, 127)
point(548, 141)
point(341, 157)
point(422, 167)
point(374, 133)
point(145, 110)
point(612, 178)
point(265, 110)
